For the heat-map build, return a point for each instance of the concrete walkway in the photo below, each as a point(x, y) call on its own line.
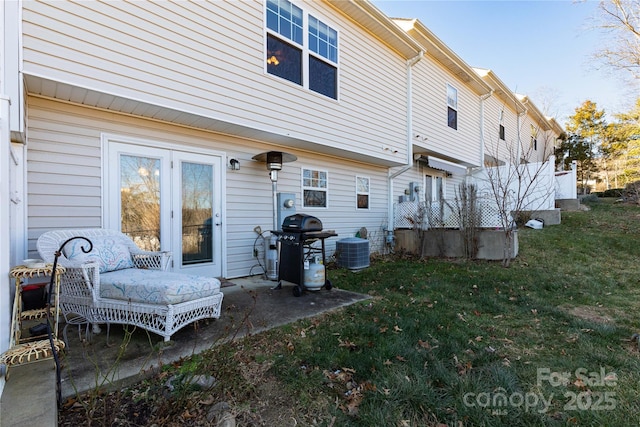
point(249, 306)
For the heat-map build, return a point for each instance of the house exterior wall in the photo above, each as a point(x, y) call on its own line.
point(543, 148)
point(208, 58)
point(430, 130)
point(64, 171)
point(503, 150)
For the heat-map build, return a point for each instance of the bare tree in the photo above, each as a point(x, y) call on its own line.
point(514, 179)
point(621, 20)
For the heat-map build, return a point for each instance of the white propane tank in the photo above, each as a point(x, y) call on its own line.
point(271, 256)
point(313, 276)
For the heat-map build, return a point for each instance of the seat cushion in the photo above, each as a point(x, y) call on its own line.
point(155, 286)
point(110, 252)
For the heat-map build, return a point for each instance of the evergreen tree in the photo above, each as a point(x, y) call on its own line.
point(585, 131)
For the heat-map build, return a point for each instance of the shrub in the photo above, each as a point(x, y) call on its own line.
point(632, 192)
point(613, 192)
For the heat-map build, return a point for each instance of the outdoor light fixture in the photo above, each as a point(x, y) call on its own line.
point(234, 164)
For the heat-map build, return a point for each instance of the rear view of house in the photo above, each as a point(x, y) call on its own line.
point(154, 118)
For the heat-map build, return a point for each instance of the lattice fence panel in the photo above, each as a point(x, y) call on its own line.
point(412, 215)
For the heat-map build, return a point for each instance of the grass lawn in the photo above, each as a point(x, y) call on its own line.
point(450, 342)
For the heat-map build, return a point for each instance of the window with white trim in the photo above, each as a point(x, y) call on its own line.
point(311, 61)
point(534, 137)
point(452, 107)
point(501, 129)
point(434, 188)
point(314, 188)
point(362, 192)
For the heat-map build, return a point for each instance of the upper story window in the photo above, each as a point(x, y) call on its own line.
point(501, 133)
point(534, 137)
point(362, 192)
point(311, 61)
point(314, 188)
point(452, 107)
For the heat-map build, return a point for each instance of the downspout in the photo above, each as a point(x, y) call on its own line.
point(5, 228)
point(519, 148)
point(391, 223)
point(482, 130)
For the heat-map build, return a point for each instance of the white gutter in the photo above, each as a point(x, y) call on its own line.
point(410, 63)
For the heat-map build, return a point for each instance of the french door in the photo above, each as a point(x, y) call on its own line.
point(169, 200)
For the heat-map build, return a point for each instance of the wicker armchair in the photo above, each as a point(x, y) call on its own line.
point(116, 282)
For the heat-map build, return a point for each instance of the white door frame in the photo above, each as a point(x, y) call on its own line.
point(112, 145)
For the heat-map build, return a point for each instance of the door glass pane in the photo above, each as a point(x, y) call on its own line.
point(197, 202)
point(140, 200)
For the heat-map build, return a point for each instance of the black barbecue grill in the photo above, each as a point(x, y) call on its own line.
point(297, 238)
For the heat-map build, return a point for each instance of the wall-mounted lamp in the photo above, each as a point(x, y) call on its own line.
point(234, 164)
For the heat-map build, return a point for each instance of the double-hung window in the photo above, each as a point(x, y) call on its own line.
point(301, 48)
point(534, 137)
point(362, 192)
point(452, 107)
point(314, 188)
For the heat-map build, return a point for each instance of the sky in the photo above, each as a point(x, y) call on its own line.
point(543, 49)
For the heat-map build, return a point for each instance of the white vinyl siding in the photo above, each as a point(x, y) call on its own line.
point(64, 175)
point(207, 58)
point(430, 82)
point(497, 113)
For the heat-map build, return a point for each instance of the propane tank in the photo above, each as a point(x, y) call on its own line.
point(314, 275)
point(271, 257)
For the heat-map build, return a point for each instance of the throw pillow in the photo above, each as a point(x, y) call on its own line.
point(108, 251)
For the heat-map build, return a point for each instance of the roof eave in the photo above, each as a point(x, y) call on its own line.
point(540, 118)
point(443, 54)
point(365, 14)
point(500, 89)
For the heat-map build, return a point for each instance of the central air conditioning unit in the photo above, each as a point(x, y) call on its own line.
point(352, 253)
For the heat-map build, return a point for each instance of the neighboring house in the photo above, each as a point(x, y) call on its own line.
point(447, 97)
point(539, 135)
point(519, 144)
point(501, 125)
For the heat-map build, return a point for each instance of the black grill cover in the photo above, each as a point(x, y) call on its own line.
point(301, 222)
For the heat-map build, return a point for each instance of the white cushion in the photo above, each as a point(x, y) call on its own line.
point(156, 286)
point(109, 252)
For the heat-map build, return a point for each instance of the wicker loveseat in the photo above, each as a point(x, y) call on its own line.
point(116, 282)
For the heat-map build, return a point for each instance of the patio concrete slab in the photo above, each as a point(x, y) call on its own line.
point(249, 307)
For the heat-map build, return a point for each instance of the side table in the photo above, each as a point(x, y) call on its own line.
point(31, 349)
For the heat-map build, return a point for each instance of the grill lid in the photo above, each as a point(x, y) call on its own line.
point(301, 222)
